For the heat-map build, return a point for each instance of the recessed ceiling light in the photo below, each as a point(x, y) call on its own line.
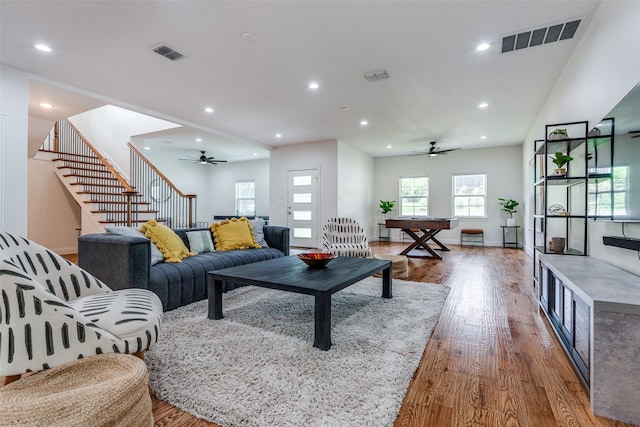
point(314, 85)
point(255, 154)
point(42, 47)
point(483, 46)
point(208, 110)
point(483, 137)
point(147, 148)
point(389, 146)
point(364, 123)
point(46, 105)
point(248, 37)
point(483, 105)
point(198, 139)
point(278, 135)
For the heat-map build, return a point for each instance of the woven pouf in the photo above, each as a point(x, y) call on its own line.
point(103, 390)
point(400, 265)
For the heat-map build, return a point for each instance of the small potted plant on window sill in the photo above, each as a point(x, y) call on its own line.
point(509, 206)
point(560, 160)
point(387, 206)
point(558, 134)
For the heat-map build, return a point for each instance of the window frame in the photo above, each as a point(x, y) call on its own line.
point(240, 199)
point(401, 197)
point(454, 197)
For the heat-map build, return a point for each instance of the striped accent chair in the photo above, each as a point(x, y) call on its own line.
point(53, 312)
point(345, 237)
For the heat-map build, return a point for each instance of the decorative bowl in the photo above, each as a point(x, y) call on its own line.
point(316, 259)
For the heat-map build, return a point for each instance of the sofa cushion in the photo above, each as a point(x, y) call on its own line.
point(156, 255)
point(257, 225)
point(169, 243)
point(200, 241)
point(234, 233)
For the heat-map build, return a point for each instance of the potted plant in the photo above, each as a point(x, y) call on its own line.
point(594, 132)
point(509, 206)
point(560, 160)
point(387, 206)
point(558, 134)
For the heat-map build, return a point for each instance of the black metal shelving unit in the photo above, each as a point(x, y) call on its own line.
point(579, 193)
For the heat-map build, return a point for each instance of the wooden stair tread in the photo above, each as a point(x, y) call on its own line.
point(109, 178)
point(122, 211)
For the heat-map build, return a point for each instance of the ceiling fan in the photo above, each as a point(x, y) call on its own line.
point(433, 151)
point(203, 159)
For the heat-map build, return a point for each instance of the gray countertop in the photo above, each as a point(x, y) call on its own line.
point(601, 285)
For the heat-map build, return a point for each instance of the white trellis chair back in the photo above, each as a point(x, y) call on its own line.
point(345, 237)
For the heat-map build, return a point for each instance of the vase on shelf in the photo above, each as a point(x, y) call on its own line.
point(511, 222)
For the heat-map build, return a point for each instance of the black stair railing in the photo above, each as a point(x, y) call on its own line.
point(175, 209)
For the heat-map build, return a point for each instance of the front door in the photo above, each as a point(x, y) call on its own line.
point(303, 207)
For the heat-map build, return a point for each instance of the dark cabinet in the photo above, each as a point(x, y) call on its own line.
point(570, 318)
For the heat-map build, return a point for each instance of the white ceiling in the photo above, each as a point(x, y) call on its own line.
point(102, 54)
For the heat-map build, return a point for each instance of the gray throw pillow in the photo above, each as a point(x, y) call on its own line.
point(200, 241)
point(257, 225)
point(156, 255)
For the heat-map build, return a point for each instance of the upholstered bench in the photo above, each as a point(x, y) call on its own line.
point(472, 235)
point(400, 265)
point(103, 390)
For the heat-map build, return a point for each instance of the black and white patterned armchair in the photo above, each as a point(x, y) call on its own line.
point(52, 311)
point(344, 237)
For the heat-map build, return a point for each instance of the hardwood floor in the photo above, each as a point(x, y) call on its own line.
point(492, 360)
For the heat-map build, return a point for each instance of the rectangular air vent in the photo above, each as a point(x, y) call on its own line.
point(167, 52)
point(540, 36)
point(376, 75)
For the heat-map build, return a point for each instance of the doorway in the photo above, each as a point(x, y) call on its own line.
point(303, 207)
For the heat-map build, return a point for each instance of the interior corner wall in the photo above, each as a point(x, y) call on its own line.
point(322, 155)
point(604, 67)
point(355, 188)
point(14, 95)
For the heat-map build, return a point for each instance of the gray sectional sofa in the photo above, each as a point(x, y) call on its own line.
point(125, 262)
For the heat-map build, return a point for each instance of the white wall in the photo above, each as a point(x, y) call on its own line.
point(603, 69)
point(504, 179)
point(355, 186)
point(222, 186)
point(13, 150)
point(56, 218)
point(109, 128)
point(322, 155)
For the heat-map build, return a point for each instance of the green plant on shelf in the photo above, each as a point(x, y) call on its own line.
point(560, 160)
point(508, 205)
point(387, 206)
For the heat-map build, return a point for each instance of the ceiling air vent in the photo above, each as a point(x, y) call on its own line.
point(167, 52)
point(540, 36)
point(376, 75)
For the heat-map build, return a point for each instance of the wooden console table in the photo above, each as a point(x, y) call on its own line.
point(429, 227)
point(594, 309)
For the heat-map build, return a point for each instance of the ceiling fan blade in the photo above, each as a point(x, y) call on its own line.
point(636, 132)
point(447, 151)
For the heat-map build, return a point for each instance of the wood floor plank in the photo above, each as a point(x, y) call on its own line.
point(493, 359)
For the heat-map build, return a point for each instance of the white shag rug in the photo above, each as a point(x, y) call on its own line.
point(258, 366)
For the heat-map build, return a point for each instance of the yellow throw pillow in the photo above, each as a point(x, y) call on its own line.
point(233, 233)
point(170, 244)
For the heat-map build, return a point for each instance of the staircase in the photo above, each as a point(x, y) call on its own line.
point(95, 187)
point(105, 196)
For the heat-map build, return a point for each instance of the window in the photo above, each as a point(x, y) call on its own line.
point(245, 198)
point(602, 197)
point(470, 195)
point(414, 196)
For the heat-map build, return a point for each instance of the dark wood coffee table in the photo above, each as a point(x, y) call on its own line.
point(291, 274)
